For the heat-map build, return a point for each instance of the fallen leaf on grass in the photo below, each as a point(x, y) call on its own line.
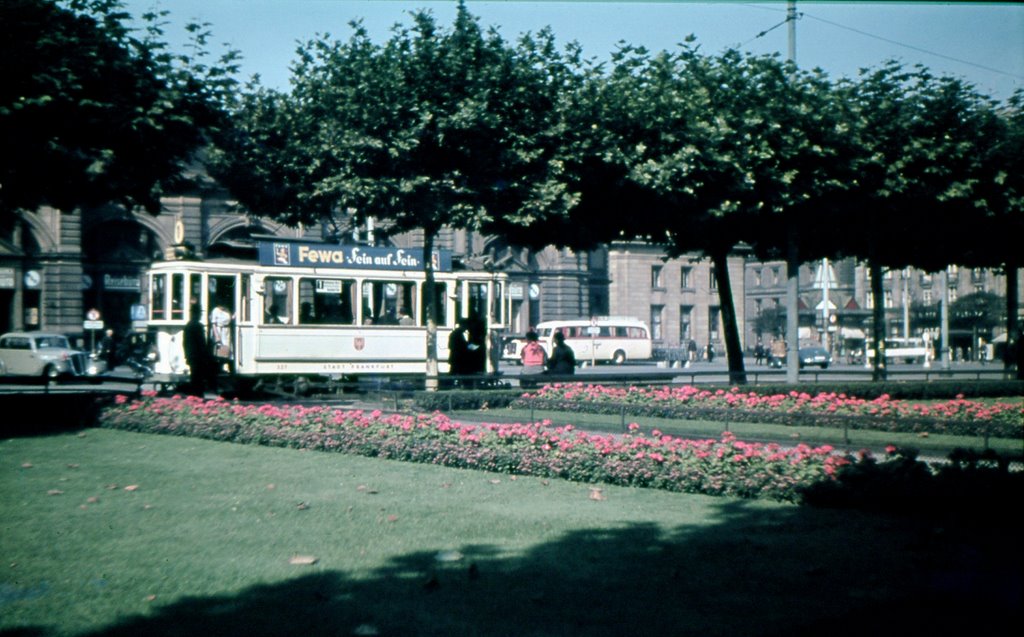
point(271, 487)
point(111, 487)
point(54, 492)
point(302, 560)
point(302, 506)
point(92, 499)
point(150, 598)
point(26, 465)
point(131, 487)
point(73, 465)
point(596, 494)
point(366, 489)
point(392, 518)
point(495, 481)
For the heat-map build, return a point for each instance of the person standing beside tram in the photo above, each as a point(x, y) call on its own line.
point(197, 352)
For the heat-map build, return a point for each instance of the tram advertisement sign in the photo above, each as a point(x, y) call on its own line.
point(305, 255)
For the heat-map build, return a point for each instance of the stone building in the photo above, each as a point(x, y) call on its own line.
point(911, 299)
point(678, 298)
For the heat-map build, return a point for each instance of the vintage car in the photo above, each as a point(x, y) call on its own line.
point(814, 355)
point(44, 355)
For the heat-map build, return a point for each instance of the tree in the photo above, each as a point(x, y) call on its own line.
point(714, 150)
point(980, 311)
point(1000, 231)
point(91, 112)
point(433, 128)
point(922, 166)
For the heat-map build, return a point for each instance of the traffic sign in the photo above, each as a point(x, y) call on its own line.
point(92, 315)
point(92, 325)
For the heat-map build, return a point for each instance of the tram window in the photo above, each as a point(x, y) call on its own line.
point(277, 300)
point(478, 305)
point(177, 297)
point(326, 301)
point(196, 296)
point(157, 296)
point(384, 300)
point(246, 313)
point(497, 304)
point(440, 303)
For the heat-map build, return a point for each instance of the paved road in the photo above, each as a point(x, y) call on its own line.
point(700, 372)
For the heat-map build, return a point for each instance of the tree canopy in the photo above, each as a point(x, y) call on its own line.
point(433, 128)
point(93, 112)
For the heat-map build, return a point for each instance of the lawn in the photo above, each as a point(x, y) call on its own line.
point(115, 533)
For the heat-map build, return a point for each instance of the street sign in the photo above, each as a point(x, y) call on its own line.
point(92, 325)
point(92, 315)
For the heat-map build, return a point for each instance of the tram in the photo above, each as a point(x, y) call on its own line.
point(305, 312)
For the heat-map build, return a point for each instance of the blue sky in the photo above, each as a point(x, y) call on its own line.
point(981, 42)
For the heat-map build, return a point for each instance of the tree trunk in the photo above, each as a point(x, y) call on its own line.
point(733, 347)
point(877, 320)
point(792, 307)
point(1012, 335)
point(431, 309)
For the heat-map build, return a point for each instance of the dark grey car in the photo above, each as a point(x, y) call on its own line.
point(815, 356)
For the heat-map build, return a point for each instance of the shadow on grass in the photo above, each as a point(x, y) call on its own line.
point(757, 571)
point(39, 414)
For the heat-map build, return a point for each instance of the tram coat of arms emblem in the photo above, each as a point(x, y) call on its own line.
point(359, 342)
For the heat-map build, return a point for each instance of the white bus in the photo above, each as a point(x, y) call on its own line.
point(602, 339)
point(914, 349)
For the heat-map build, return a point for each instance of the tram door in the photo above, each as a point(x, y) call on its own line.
point(475, 304)
point(222, 308)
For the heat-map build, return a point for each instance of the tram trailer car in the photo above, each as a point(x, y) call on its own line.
point(305, 313)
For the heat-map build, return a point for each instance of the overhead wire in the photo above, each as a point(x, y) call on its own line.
point(877, 37)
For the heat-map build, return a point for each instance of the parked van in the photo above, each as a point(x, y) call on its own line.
point(898, 349)
point(602, 339)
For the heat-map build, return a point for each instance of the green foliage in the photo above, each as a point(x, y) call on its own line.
point(981, 310)
point(972, 489)
point(93, 112)
point(462, 399)
point(432, 128)
point(924, 156)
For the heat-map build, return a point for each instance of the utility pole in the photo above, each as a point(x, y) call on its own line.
point(792, 252)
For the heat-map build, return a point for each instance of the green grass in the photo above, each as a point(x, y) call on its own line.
point(202, 547)
point(932, 444)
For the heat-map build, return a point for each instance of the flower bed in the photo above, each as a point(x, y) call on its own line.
point(716, 467)
point(956, 417)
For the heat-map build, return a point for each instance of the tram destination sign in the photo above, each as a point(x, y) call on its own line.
point(321, 255)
